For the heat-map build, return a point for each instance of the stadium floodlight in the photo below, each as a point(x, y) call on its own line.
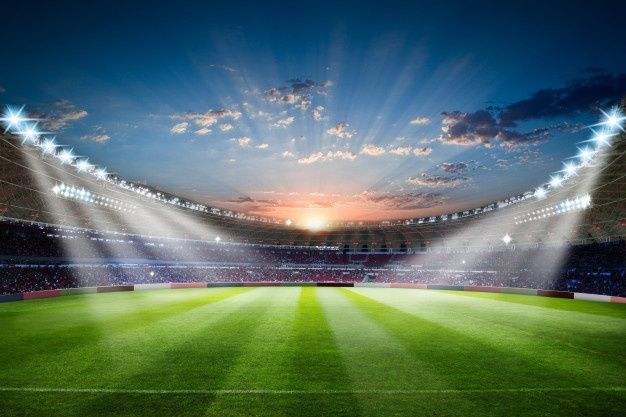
point(218, 239)
point(556, 181)
point(66, 156)
point(570, 169)
point(507, 239)
point(56, 189)
point(48, 146)
point(585, 154)
point(540, 193)
point(30, 133)
point(101, 173)
point(602, 138)
point(288, 222)
point(83, 165)
point(614, 118)
point(13, 119)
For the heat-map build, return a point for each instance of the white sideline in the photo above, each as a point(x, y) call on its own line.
point(305, 392)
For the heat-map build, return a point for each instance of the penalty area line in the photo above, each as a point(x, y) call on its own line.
point(305, 392)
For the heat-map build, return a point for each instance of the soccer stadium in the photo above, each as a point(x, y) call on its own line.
point(343, 210)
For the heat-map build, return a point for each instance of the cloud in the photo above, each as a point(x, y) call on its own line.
point(61, 114)
point(241, 200)
point(318, 113)
point(580, 95)
point(345, 155)
point(530, 156)
point(287, 121)
point(403, 201)
point(304, 105)
point(203, 131)
point(401, 150)
point(461, 166)
point(372, 150)
point(242, 141)
point(179, 128)
point(314, 157)
point(454, 167)
point(263, 146)
point(211, 117)
point(481, 128)
point(287, 154)
point(341, 130)
point(436, 181)
point(225, 127)
point(425, 151)
point(296, 92)
point(420, 121)
point(477, 128)
point(265, 205)
point(496, 125)
point(502, 163)
point(98, 138)
point(329, 156)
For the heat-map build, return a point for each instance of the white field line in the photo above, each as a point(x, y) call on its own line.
point(305, 392)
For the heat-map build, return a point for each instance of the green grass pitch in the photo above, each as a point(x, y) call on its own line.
point(311, 352)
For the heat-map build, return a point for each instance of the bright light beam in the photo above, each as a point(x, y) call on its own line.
point(48, 146)
point(30, 134)
point(83, 165)
point(13, 119)
point(556, 181)
point(613, 119)
point(66, 156)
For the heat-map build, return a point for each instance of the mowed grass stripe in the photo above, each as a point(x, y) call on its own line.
point(111, 347)
point(589, 338)
point(465, 362)
point(550, 339)
point(99, 317)
point(316, 364)
point(375, 358)
point(202, 359)
point(566, 305)
point(265, 362)
point(380, 364)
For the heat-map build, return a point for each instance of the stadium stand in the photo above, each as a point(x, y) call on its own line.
point(33, 257)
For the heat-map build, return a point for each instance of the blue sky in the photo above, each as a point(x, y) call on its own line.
point(353, 111)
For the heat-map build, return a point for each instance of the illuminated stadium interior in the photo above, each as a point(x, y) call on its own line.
point(347, 214)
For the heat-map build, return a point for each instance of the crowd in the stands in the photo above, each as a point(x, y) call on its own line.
point(35, 258)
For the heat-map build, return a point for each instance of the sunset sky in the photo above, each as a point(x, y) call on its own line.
point(317, 110)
